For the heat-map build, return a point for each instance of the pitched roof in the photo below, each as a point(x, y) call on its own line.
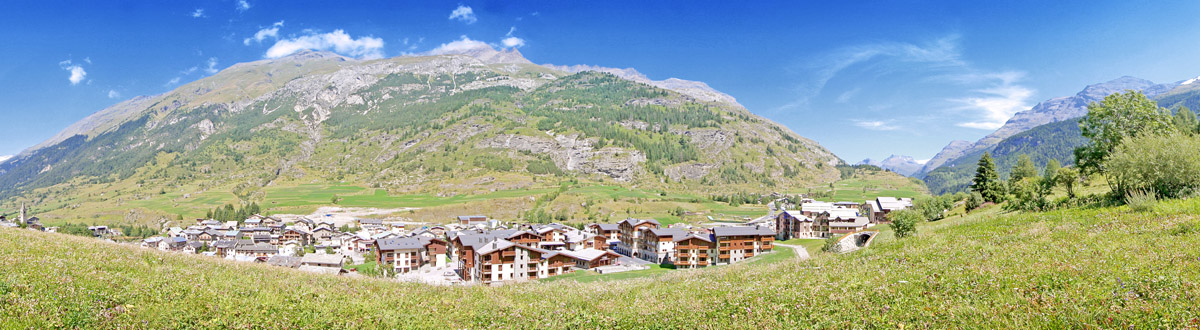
point(742, 231)
point(665, 232)
point(326, 259)
point(856, 222)
point(260, 247)
point(495, 245)
point(404, 243)
point(284, 261)
point(608, 226)
point(702, 237)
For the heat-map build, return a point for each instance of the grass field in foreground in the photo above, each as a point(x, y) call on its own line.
point(1081, 268)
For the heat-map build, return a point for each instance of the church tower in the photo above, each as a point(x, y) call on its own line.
point(22, 212)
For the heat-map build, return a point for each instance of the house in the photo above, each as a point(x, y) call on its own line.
point(811, 208)
point(436, 250)
point(695, 251)
point(262, 251)
point(401, 254)
point(592, 258)
point(99, 231)
point(193, 247)
point(658, 244)
point(501, 261)
point(172, 244)
point(839, 221)
point(738, 243)
point(322, 234)
point(878, 209)
point(793, 224)
point(152, 242)
point(611, 231)
point(631, 234)
point(470, 220)
point(322, 260)
point(293, 234)
point(224, 247)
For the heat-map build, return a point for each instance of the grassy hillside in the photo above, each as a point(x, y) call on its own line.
point(1089, 268)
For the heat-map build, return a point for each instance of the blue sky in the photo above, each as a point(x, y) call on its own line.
point(863, 78)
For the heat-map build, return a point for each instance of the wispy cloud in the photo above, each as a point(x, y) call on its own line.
point(212, 66)
point(77, 73)
point(262, 34)
point(198, 13)
point(459, 46)
point(875, 125)
point(112, 94)
point(173, 81)
point(337, 41)
point(242, 5)
point(943, 52)
point(996, 104)
point(510, 41)
point(464, 14)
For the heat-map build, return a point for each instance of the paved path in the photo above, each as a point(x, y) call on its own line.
point(800, 252)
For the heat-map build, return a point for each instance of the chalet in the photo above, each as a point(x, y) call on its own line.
point(838, 221)
point(172, 244)
point(152, 242)
point(738, 243)
point(695, 251)
point(793, 224)
point(322, 260)
point(435, 250)
point(262, 251)
point(593, 258)
point(402, 254)
point(500, 261)
point(631, 234)
point(322, 234)
point(658, 244)
point(470, 220)
point(99, 231)
point(193, 247)
point(878, 209)
point(812, 208)
point(224, 247)
point(295, 235)
point(608, 230)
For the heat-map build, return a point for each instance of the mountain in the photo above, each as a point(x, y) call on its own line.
point(904, 165)
point(1049, 111)
point(470, 121)
point(1056, 140)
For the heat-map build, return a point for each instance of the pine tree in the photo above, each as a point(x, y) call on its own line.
point(987, 180)
point(1186, 120)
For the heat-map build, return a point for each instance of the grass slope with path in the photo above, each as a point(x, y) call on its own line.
point(1077, 268)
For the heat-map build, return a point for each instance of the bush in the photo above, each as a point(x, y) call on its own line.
point(1141, 200)
point(830, 243)
point(1167, 165)
point(974, 201)
point(904, 222)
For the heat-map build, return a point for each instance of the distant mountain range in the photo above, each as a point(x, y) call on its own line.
point(1047, 131)
point(904, 165)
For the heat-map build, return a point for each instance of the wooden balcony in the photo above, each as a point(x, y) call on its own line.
point(509, 253)
point(683, 255)
point(723, 256)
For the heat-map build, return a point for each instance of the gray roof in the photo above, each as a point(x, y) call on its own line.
point(225, 244)
point(469, 217)
point(703, 237)
point(672, 232)
point(260, 247)
point(495, 245)
point(284, 261)
point(858, 222)
point(636, 222)
point(405, 243)
point(608, 226)
point(324, 259)
point(742, 231)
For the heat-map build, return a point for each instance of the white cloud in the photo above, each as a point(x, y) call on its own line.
point(242, 5)
point(173, 81)
point(459, 46)
point(190, 70)
point(77, 72)
point(939, 53)
point(87, 60)
point(212, 66)
point(4, 158)
point(464, 14)
point(875, 125)
point(337, 41)
point(848, 95)
point(511, 42)
point(198, 13)
point(112, 94)
point(270, 32)
point(997, 104)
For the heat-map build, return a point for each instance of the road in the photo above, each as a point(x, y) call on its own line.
point(800, 252)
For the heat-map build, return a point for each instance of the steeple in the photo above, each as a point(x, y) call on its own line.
point(22, 212)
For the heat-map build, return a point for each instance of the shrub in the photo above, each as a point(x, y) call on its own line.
point(974, 201)
point(904, 222)
point(1167, 165)
point(830, 243)
point(1141, 200)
